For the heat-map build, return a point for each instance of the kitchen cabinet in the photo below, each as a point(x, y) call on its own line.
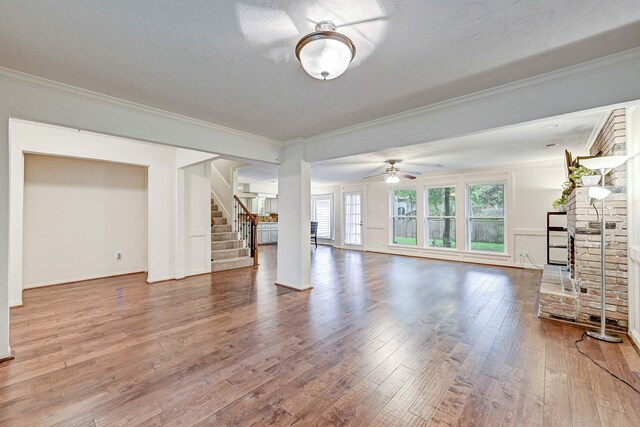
point(267, 233)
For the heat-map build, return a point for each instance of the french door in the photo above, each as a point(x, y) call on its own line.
point(353, 219)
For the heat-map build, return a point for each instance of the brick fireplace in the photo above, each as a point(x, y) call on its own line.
point(572, 293)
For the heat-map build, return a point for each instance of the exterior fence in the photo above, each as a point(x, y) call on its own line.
point(486, 230)
point(405, 227)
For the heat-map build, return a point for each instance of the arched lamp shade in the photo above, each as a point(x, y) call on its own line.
point(599, 193)
point(325, 54)
point(603, 162)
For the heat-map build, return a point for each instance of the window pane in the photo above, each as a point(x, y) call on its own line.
point(441, 232)
point(442, 201)
point(352, 219)
point(487, 234)
point(321, 213)
point(486, 200)
point(404, 203)
point(404, 217)
point(404, 230)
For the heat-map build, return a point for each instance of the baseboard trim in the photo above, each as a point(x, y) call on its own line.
point(87, 279)
point(9, 357)
point(293, 288)
point(162, 280)
point(634, 337)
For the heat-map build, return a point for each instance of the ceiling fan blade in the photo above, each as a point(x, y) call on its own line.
point(352, 23)
point(412, 173)
point(363, 21)
point(379, 175)
point(406, 175)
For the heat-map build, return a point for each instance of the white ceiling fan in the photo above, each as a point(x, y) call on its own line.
point(393, 174)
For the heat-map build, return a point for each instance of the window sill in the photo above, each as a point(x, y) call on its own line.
point(451, 251)
point(398, 245)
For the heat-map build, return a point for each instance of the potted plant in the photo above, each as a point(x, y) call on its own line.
point(560, 203)
point(581, 176)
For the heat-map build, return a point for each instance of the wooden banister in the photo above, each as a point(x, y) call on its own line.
point(242, 212)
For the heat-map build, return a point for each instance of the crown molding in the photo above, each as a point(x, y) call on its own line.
point(19, 77)
point(592, 67)
point(596, 129)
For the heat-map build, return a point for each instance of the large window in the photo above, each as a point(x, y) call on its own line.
point(322, 213)
point(441, 217)
point(403, 217)
point(486, 217)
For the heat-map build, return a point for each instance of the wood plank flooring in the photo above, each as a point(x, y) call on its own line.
point(381, 340)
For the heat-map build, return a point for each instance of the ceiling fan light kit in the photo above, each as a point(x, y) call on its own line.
point(325, 54)
point(392, 175)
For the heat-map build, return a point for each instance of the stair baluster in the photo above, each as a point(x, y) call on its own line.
point(246, 224)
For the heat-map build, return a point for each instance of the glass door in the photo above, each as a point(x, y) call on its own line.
point(353, 219)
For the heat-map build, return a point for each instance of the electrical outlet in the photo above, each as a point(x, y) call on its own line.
point(118, 255)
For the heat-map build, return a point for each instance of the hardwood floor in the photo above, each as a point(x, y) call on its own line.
point(380, 340)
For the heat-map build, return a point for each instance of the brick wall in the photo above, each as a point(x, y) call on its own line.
point(584, 227)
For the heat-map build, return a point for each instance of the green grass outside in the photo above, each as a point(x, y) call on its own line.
point(476, 246)
point(492, 247)
point(439, 243)
point(406, 241)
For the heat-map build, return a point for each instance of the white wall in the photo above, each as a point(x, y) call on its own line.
point(77, 215)
point(197, 218)
point(633, 182)
point(163, 262)
point(530, 189)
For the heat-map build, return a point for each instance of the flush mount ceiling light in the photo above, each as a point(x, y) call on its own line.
point(325, 54)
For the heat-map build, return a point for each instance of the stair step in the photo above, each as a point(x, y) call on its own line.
point(229, 253)
point(220, 221)
point(218, 237)
point(216, 214)
point(214, 207)
point(231, 263)
point(221, 229)
point(226, 244)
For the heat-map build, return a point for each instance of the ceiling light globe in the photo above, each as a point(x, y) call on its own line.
point(325, 54)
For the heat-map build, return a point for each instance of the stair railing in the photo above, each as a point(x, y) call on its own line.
point(246, 225)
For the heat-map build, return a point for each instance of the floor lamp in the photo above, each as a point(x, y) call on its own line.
point(603, 164)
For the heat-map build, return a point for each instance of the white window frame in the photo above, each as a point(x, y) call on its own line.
point(332, 215)
point(392, 215)
point(427, 216)
point(468, 217)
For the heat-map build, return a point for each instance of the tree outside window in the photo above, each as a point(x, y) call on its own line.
point(404, 217)
point(486, 217)
point(441, 217)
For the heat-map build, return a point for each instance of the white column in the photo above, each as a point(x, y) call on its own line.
point(294, 220)
point(5, 351)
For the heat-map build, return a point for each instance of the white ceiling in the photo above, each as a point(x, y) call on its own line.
point(232, 62)
point(514, 144)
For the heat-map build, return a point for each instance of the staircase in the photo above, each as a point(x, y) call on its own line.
point(227, 251)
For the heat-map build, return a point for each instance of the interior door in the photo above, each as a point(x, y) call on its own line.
point(353, 219)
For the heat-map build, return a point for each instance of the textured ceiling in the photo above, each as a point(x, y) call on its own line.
point(514, 144)
point(232, 62)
